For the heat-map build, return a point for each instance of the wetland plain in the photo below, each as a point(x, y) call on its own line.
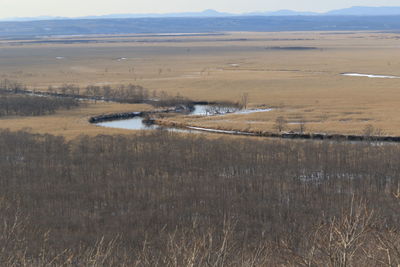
point(297, 74)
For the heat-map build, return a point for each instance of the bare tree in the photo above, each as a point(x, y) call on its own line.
point(244, 100)
point(20, 105)
point(302, 125)
point(280, 123)
point(165, 199)
point(370, 131)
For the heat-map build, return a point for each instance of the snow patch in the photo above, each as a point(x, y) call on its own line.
point(217, 131)
point(370, 76)
point(250, 111)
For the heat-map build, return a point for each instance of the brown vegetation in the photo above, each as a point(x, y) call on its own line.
point(165, 200)
point(224, 68)
point(13, 105)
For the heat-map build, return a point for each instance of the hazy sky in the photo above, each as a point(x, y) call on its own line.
point(73, 8)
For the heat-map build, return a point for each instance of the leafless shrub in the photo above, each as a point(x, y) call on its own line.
point(370, 131)
point(244, 100)
point(11, 105)
point(280, 124)
point(343, 238)
point(302, 125)
point(160, 199)
point(13, 86)
point(222, 108)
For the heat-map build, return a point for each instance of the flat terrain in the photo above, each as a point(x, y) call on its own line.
point(297, 74)
point(71, 123)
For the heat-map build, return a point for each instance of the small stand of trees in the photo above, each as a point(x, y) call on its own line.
point(118, 93)
point(121, 93)
point(20, 105)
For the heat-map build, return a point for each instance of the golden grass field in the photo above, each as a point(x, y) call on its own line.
point(71, 123)
point(299, 84)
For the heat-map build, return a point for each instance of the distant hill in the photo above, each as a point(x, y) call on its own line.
point(205, 13)
point(210, 13)
point(283, 12)
point(33, 18)
point(366, 11)
point(197, 25)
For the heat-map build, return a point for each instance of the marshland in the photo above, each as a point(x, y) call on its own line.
point(85, 182)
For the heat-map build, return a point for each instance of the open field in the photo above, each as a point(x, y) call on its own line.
point(298, 74)
point(71, 123)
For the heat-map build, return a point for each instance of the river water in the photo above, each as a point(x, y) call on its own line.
point(199, 110)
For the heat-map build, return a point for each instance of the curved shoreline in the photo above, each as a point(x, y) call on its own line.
point(285, 135)
point(289, 135)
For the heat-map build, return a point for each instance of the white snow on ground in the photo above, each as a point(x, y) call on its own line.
point(250, 111)
point(217, 131)
point(207, 110)
point(370, 75)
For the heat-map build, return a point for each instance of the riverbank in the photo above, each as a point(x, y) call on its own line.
point(285, 135)
point(144, 123)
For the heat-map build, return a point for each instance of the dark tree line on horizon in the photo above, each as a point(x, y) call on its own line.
point(163, 199)
point(120, 93)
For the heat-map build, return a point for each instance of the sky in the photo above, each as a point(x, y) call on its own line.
point(76, 8)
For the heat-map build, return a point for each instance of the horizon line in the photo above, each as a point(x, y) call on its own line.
point(190, 13)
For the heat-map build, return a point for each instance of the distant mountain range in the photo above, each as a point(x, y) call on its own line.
point(366, 11)
point(352, 11)
point(178, 25)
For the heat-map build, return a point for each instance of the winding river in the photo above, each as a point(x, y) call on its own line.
point(138, 122)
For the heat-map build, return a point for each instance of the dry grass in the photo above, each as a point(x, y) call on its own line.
point(71, 123)
point(303, 83)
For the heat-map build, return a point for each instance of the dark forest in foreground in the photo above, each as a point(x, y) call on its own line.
point(162, 199)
